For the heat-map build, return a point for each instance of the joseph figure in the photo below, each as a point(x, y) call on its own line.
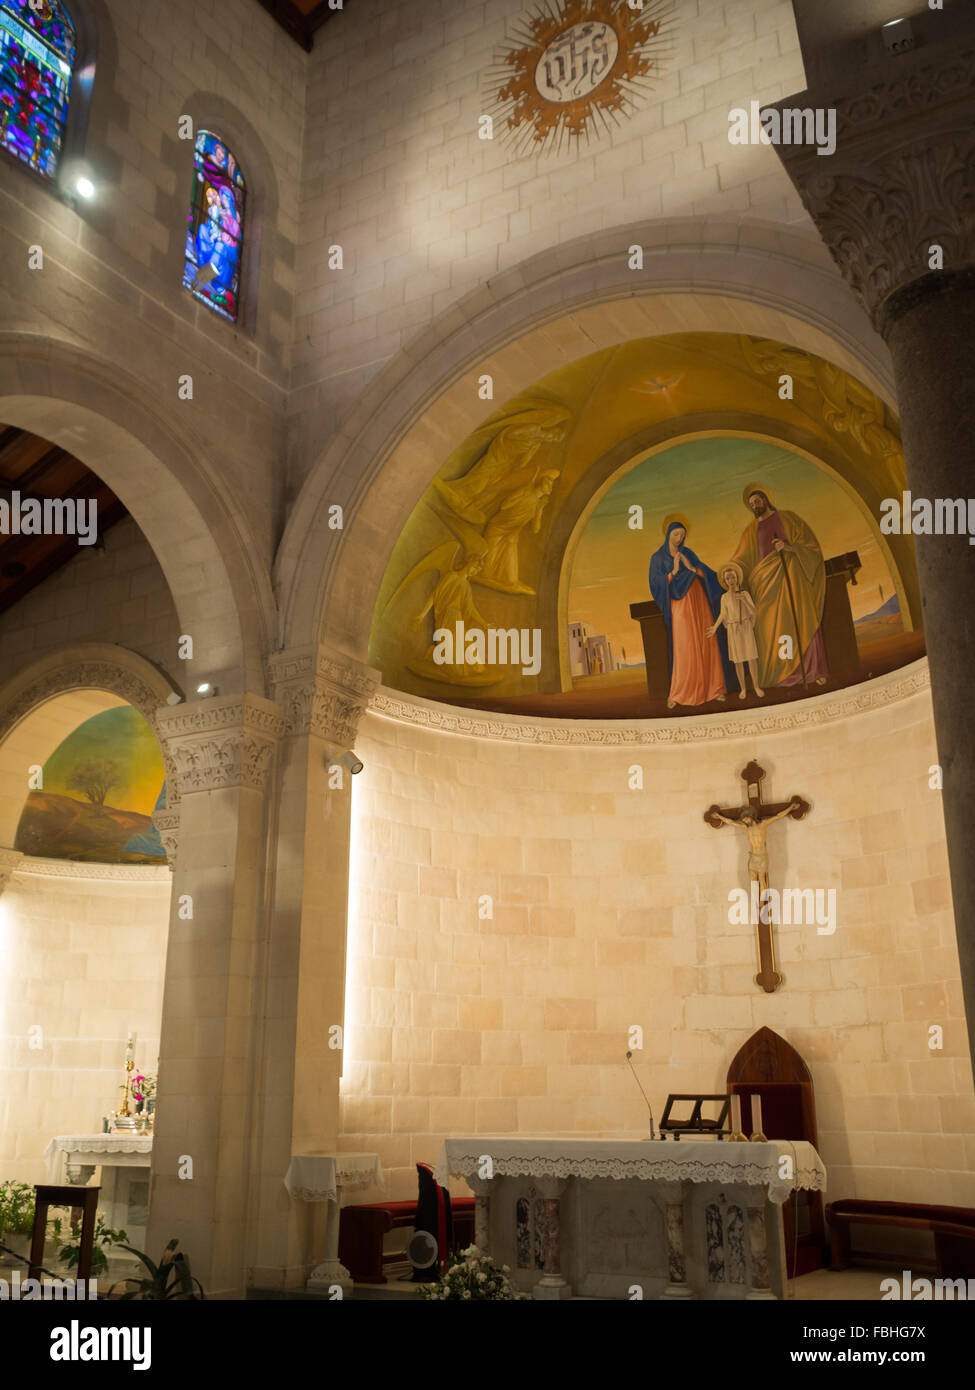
point(786, 576)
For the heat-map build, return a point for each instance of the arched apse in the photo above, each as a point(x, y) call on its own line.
point(198, 535)
point(45, 701)
point(554, 309)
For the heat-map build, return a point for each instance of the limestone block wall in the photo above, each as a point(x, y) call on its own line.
point(394, 172)
point(111, 593)
point(610, 909)
point(83, 960)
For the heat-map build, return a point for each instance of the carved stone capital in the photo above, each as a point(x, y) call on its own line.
point(222, 742)
point(9, 859)
point(166, 822)
point(902, 179)
point(322, 692)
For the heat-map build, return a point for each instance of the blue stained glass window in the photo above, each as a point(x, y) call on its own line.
point(215, 230)
point(37, 52)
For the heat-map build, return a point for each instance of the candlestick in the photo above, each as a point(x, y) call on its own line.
point(736, 1135)
point(757, 1136)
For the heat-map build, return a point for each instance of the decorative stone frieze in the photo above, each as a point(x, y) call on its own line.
point(221, 742)
point(902, 179)
point(619, 733)
point(322, 693)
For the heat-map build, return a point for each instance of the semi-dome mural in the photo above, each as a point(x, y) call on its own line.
point(652, 531)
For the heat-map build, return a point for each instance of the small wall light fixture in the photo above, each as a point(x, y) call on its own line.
point(347, 760)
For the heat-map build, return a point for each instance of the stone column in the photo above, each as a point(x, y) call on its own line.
point(323, 695)
point(677, 1286)
point(552, 1286)
point(481, 1187)
point(896, 206)
point(9, 859)
point(758, 1254)
point(220, 750)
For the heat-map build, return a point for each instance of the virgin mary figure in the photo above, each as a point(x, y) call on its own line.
point(688, 594)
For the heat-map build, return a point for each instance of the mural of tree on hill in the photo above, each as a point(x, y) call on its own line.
point(97, 793)
point(95, 777)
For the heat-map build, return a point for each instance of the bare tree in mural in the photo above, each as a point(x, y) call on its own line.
point(94, 778)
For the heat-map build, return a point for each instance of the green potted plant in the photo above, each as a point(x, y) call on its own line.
point(70, 1250)
point(16, 1220)
point(170, 1279)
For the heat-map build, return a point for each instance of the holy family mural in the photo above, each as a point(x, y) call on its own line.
point(762, 614)
point(553, 567)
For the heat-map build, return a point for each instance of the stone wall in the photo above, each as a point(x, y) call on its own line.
point(610, 909)
point(394, 172)
point(83, 960)
point(115, 592)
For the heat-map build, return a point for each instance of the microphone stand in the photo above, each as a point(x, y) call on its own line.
point(642, 1092)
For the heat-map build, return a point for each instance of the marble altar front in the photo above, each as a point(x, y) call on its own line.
point(606, 1218)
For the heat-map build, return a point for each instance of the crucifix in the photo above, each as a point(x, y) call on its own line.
point(755, 818)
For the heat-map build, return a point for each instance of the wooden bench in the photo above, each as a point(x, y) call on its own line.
point(953, 1229)
point(362, 1228)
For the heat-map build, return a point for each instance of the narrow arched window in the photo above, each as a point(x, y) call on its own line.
point(215, 233)
point(37, 52)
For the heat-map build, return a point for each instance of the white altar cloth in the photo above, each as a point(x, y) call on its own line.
point(327, 1177)
point(96, 1151)
point(694, 1160)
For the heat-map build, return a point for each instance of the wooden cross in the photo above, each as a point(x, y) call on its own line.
point(760, 815)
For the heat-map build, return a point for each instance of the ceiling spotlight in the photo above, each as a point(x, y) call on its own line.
point(898, 36)
point(349, 761)
point(84, 187)
point(206, 689)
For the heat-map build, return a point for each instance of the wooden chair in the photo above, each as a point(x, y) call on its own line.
point(44, 1197)
point(767, 1066)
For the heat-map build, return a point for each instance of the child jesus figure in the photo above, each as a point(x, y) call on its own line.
point(738, 616)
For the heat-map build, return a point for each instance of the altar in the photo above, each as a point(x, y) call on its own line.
point(124, 1160)
point(625, 1219)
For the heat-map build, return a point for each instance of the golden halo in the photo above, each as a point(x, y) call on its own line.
point(732, 565)
point(756, 487)
point(677, 516)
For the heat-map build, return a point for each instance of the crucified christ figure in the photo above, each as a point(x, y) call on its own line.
point(756, 831)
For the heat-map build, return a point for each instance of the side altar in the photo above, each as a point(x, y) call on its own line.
point(124, 1159)
point(596, 1217)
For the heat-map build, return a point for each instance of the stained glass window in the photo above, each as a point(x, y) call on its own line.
point(215, 234)
point(37, 50)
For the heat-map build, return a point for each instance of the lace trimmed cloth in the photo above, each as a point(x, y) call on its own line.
point(754, 1165)
point(323, 1177)
point(101, 1148)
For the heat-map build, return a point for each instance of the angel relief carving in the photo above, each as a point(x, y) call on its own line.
point(504, 492)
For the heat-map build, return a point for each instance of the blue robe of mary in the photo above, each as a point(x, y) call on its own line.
point(663, 593)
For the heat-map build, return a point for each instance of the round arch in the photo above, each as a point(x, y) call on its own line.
point(79, 681)
point(199, 538)
point(556, 308)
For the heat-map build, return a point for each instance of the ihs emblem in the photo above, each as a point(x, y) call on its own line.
point(575, 67)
